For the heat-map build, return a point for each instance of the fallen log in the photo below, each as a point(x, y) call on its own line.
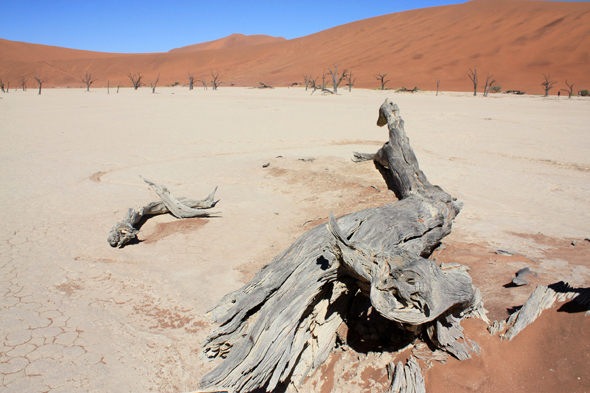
point(283, 324)
point(124, 231)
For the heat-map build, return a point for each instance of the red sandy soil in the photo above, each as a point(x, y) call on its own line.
point(516, 41)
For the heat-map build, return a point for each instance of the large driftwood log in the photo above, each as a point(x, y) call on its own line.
point(284, 323)
point(126, 230)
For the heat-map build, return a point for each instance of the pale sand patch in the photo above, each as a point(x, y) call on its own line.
point(134, 317)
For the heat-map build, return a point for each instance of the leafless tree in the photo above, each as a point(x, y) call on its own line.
point(381, 78)
point(23, 83)
point(569, 91)
point(324, 80)
point(2, 86)
point(135, 79)
point(350, 80)
point(473, 76)
point(191, 80)
point(87, 78)
point(309, 81)
point(203, 81)
point(335, 78)
point(437, 84)
point(215, 82)
point(153, 84)
point(118, 87)
point(39, 82)
point(108, 86)
point(488, 85)
point(547, 84)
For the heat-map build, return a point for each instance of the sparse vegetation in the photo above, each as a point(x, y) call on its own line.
point(215, 82)
point(584, 93)
point(547, 84)
point(39, 82)
point(495, 89)
point(570, 89)
point(135, 80)
point(87, 79)
point(473, 76)
point(381, 78)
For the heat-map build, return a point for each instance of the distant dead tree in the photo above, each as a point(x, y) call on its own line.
point(23, 83)
point(215, 82)
point(39, 82)
point(324, 80)
point(437, 85)
point(191, 80)
point(570, 91)
point(335, 78)
point(2, 86)
point(135, 79)
point(488, 84)
point(87, 78)
point(547, 84)
point(204, 82)
point(349, 80)
point(381, 78)
point(153, 84)
point(473, 76)
point(119, 85)
point(309, 81)
point(108, 86)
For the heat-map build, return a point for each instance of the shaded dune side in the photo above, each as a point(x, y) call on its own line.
point(516, 41)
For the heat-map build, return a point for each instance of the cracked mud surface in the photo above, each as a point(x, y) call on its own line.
point(77, 315)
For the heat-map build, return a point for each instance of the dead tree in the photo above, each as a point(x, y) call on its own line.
point(335, 78)
point(350, 81)
point(191, 80)
point(310, 81)
point(153, 84)
point(23, 83)
point(127, 230)
point(39, 82)
point(204, 82)
point(283, 324)
point(488, 85)
point(2, 86)
point(135, 80)
point(473, 76)
point(215, 82)
point(87, 78)
point(381, 78)
point(569, 91)
point(108, 86)
point(547, 84)
point(437, 85)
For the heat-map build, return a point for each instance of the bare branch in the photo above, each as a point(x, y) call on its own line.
point(40, 82)
point(547, 84)
point(381, 78)
point(87, 78)
point(569, 91)
point(135, 79)
point(153, 85)
point(473, 76)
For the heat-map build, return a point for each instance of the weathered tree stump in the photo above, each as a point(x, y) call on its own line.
point(124, 231)
point(284, 323)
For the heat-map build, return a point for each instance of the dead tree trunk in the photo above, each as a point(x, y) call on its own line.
point(124, 231)
point(350, 81)
point(108, 86)
point(23, 83)
point(381, 78)
point(135, 80)
point(570, 89)
point(153, 84)
point(2, 86)
point(87, 79)
point(473, 76)
point(335, 79)
point(547, 84)
point(191, 80)
point(215, 82)
point(39, 82)
point(488, 85)
point(437, 85)
point(283, 324)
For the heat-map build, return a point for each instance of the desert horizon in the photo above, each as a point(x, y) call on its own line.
point(515, 42)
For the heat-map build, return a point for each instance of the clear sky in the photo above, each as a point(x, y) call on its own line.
point(139, 26)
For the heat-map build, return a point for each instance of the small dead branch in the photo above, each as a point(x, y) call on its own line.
point(126, 230)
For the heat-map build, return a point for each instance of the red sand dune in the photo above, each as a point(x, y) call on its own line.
point(231, 41)
point(516, 41)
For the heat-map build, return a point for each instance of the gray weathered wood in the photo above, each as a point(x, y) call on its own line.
point(282, 325)
point(124, 231)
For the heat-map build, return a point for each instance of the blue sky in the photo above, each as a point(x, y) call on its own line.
point(157, 26)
